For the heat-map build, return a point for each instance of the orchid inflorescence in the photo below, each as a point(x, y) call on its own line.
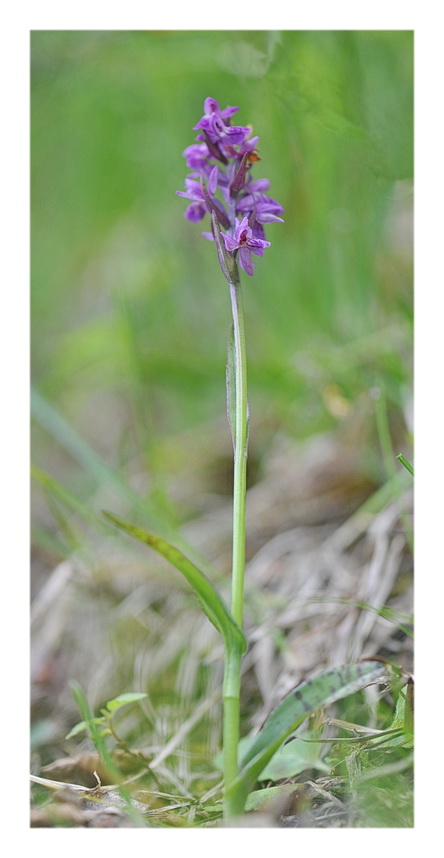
point(245, 207)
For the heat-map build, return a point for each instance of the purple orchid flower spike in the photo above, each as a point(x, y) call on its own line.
point(221, 184)
point(221, 160)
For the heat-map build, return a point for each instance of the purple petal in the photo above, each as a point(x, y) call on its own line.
point(193, 191)
point(236, 134)
point(230, 243)
point(259, 251)
point(212, 125)
point(267, 217)
point(256, 245)
point(195, 212)
point(258, 231)
point(249, 145)
point(246, 204)
point(259, 185)
point(228, 111)
point(196, 155)
point(211, 106)
point(240, 227)
point(212, 180)
point(203, 123)
point(245, 260)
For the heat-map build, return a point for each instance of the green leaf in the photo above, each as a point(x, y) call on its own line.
point(293, 758)
point(309, 696)
point(84, 725)
point(261, 798)
point(210, 599)
point(289, 760)
point(124, 699)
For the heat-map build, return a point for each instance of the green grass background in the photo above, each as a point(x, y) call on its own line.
point(130, 312)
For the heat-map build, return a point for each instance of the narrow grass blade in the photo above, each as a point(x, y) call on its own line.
point(104, 475)
point(93, 725)
point(210, 599)
point(406, 464)
point(65, 434)
point(326, 688)
point(70, 440)
point(404, 622)
point(64, 496)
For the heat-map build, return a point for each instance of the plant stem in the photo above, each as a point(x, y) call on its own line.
point(240, 456)
point(233, 658)
point(233, 662)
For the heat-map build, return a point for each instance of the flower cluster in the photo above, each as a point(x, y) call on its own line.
point(221, 162)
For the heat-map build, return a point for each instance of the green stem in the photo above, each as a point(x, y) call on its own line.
point(240, 456)
point(233, 658)
point(238, 419)
point(233, 662)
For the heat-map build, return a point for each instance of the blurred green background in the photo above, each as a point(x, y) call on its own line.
point(130, 312)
